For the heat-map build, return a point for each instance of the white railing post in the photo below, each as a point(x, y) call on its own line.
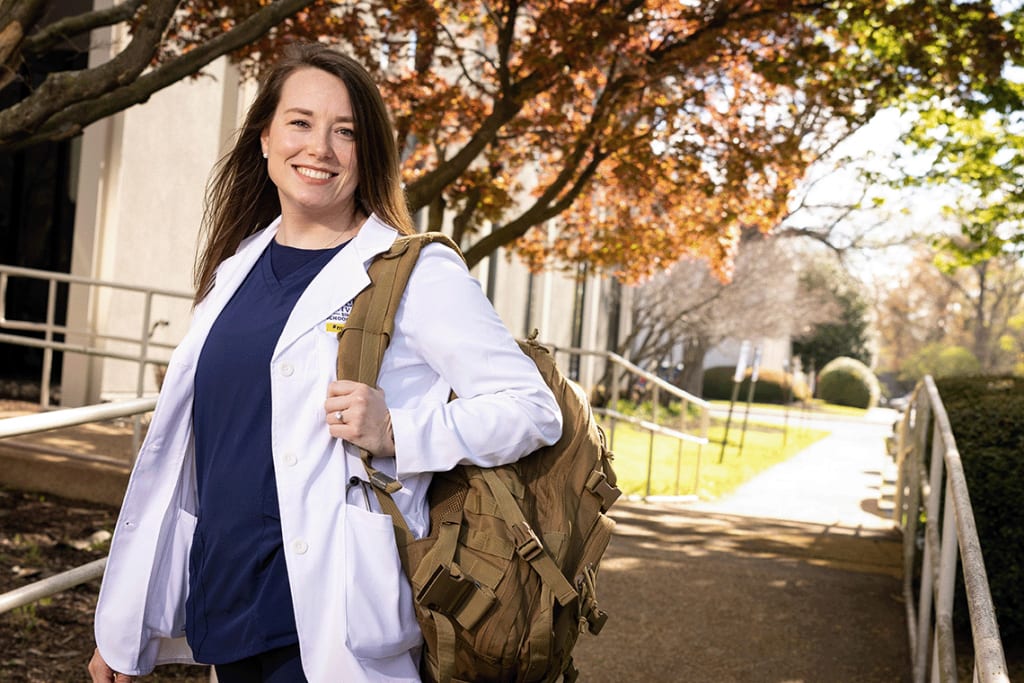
point(51, 308)
point(945, 660)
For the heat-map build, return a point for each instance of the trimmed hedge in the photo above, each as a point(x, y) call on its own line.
point(772, 386)
point(987, 418)
point(848, 382)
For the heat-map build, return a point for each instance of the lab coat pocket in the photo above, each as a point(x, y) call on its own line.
point(379, 610)
point(165, 608)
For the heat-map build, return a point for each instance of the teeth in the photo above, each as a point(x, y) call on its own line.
point(312, 173)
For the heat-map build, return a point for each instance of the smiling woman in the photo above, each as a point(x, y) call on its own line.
point(310, 146)
point(246, 522)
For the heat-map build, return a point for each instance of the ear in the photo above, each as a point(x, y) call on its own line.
point(265, 142)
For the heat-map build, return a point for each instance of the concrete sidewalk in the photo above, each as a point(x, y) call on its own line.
point(795, 577)
point(843, 480)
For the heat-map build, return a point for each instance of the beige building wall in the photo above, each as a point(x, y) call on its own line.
point(547, 302)
point(140, 200)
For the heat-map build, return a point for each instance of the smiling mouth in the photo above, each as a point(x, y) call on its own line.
point(314, 174)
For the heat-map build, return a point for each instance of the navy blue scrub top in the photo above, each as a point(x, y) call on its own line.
point(239, 603)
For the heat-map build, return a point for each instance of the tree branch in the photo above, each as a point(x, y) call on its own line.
point(541, 210)
point(65, 88)
point(69, 27)
point(71, 119)
point(16, 21)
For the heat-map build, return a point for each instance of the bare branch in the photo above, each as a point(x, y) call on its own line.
point(69, 27)
point(65, 88)
point(16, 20)
point(69, 119)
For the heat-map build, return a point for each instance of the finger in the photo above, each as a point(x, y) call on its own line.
point(342, 387)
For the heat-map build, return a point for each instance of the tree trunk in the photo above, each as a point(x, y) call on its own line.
point(694, 351)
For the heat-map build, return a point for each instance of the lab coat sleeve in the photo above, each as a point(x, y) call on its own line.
point(504, 410)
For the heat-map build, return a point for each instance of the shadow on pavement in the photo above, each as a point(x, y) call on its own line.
point(709, 597)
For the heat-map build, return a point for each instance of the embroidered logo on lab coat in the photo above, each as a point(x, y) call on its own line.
point(336, 321)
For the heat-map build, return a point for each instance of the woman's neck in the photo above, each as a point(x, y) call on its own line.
point(310, 233)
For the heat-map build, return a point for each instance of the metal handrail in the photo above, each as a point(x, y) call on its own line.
point(44, 588)
point(40, 422)
point(70, 417)
point(931, 644)
point(49, 328)
point(699, 435)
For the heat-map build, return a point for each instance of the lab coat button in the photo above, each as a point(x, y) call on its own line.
point(290, 459)
point(287, 369)
point(300, 547)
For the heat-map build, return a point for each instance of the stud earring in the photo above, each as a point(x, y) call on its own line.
point(265, 155)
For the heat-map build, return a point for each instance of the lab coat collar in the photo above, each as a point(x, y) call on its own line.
point(228, 278)
point(232, 271)
point(338, 282)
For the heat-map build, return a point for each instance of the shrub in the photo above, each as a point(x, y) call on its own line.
point(848, 382)
point(987, 418)
point(938, 361)
point(773, 386)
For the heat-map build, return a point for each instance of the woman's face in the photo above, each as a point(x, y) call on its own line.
point(311, 148)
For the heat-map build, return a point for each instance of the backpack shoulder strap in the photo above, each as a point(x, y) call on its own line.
point(367, 334)
point(372, 320)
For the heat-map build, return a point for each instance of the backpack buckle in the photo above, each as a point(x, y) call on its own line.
point(528, 545)
point(598, 484)
point(445, 590)
point(385, 483)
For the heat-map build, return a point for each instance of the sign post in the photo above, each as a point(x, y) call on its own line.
point(737, 378)
point(750, 393)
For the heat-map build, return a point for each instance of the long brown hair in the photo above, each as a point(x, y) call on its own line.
point(241, 199)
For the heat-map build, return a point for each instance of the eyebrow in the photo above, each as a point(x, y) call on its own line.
point(307, 112)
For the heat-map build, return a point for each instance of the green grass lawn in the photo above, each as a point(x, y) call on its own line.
point(675, 468)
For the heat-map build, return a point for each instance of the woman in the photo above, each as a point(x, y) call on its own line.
point(239, 542)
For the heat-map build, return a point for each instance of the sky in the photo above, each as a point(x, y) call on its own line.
point(888, 215)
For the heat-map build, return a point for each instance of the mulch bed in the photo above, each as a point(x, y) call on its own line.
point(51, 641)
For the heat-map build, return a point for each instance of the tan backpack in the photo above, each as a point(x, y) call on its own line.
point(505, 580)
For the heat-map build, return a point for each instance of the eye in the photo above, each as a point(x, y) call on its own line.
point(300, 123)
point(346, 133)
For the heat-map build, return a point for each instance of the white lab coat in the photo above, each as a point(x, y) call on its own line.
point(353, 607)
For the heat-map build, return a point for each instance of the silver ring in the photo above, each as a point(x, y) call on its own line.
point(340, 416)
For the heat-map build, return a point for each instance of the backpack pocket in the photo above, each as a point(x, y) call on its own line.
point(380, 620)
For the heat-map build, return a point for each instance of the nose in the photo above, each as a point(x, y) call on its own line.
point(319, 144)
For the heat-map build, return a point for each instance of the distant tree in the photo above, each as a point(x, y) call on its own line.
point(991, 293)
point(945, 298)
point(939, 360)
point(846, 334)
point(917, 306)
point(688, 306)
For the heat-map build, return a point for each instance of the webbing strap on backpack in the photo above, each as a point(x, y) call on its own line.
point(372, 323)
point(528, 545)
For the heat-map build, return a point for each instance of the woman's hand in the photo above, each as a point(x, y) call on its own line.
point(102, 673)
point(357, 413)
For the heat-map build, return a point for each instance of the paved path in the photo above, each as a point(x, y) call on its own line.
point(794, 578)
point(839, 480)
